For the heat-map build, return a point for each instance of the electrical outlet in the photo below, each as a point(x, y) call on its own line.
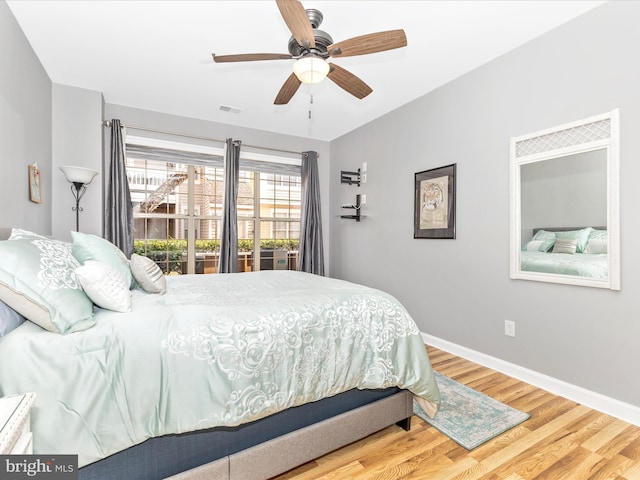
point(510, 328)
point(363, 199)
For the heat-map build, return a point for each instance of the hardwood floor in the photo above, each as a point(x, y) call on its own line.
point(561, 440)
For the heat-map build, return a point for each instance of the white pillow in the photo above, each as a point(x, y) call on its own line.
point(91, 247)
point(19, 233)
point(148, 274)
point(105, 286)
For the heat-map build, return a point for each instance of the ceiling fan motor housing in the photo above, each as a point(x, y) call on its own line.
point(322, 39)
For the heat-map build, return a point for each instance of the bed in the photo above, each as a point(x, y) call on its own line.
point(579, 251)
point(234, 376)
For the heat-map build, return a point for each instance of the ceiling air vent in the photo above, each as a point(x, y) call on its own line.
point(227, 108)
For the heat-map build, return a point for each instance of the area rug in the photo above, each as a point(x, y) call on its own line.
point(468, 417)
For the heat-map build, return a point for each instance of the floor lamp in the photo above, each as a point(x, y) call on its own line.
point(79, 178)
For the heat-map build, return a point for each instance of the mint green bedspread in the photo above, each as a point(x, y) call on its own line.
point(214, 350)
point(580, 264)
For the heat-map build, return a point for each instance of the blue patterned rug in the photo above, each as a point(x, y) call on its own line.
point(468, 417)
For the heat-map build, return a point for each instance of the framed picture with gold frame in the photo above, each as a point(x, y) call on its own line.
point(435, 203)
point(35, 189)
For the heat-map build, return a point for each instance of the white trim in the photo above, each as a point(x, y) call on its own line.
point(610, 406)
point(211, 150)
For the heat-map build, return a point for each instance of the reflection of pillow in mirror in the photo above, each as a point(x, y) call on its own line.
point(582, 236)
point(598, 242)
point(565, 245)
point(539, 245)
point(544, 235)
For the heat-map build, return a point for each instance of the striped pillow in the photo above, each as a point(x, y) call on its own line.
point(565, 245)
point(148, 274)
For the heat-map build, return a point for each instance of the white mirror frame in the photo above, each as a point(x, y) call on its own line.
point(593, 133)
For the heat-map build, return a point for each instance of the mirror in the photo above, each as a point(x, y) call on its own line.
point(565, 204)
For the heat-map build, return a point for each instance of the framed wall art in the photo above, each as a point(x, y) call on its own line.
point(435, 203)
point(35, 190)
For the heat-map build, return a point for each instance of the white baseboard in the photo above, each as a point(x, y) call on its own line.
point(610, 406)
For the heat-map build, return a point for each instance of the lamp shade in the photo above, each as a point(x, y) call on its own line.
point(311, 69)
point(78, 174)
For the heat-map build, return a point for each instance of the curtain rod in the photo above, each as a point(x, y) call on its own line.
point(107, 123)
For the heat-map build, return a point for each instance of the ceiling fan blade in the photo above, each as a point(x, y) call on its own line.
point(348, 81)
point(370, 43)
point(250, 57)
point(296, 19)
point(289, 88)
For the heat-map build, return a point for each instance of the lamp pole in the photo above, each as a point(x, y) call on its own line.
point(77, 189)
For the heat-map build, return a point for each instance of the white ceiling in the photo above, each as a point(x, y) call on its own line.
point(156, 55)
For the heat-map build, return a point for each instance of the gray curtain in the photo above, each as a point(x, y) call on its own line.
point(229, 234)
point(118, 217)
point(310, 251)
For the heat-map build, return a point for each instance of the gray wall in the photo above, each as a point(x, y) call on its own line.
point(77, 141)
point(569, 191)
point(25, 129)
point(459, 290)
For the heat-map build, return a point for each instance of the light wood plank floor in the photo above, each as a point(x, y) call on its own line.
point(561, 440)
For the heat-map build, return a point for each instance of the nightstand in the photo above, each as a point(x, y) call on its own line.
point(15, 425)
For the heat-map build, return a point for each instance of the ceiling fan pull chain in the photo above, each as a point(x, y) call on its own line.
point(310, 103)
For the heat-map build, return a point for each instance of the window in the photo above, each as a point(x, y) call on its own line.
point(177, 196)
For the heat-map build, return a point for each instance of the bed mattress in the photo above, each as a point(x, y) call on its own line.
point(214, 351)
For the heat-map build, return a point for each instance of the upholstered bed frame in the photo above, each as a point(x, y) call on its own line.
point(266, 459)
point(564, 229)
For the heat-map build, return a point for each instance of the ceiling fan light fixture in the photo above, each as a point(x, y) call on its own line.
point(311, 69)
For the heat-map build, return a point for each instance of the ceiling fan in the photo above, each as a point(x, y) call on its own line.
point(311, 47)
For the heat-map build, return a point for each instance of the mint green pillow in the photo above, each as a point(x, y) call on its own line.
point(539, 245)
point(598, 242)
point(37, 280)
point(544, 235)
point(91, 247)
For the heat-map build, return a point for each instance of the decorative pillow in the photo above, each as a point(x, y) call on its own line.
point(544, 235)
point(91, 247)
point(18, 233)
point(539, 245)
point(37, 280)
point(598, 242)
point(9, 319)
point(565, 245)
point(105, 286)
point(582, 236)
point(148, 274)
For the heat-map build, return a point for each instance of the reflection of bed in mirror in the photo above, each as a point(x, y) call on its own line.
point(579, 251)
point(564, 176)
